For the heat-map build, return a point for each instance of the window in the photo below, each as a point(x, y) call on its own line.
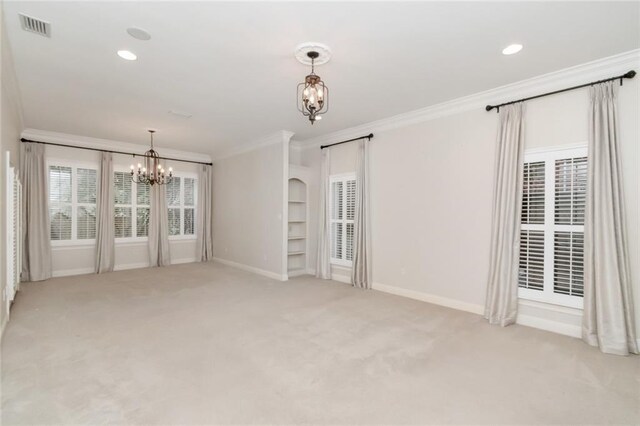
point(72, 202)
point(181, 203)
point(552, 227)
point(131, 207)
point(343, 206)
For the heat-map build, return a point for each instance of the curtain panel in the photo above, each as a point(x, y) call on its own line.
point(608, 317)
point(36, 227)
point(361, 268)
point(501, 304)
point(105, 233)
point(205, 213)
point(323, 264)
point(159, 227)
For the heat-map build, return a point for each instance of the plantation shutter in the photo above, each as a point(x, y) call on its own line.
point(336, 219)
point(142, 209)
point(533, 193)
point(570, 199)
point(173, 201)
point(123, 199)
point(531, 273)
point(551, 264)
point(189, 206)
point(60, 202)
point(86, 200)
point(350, 216)
point(343, 207)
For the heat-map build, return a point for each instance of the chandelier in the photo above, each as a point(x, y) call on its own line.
point(152, 172)
point(313, 94)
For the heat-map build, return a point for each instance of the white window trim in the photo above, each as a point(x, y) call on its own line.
point(74, 165)
point(342, 177)
point(182, 206)
point(549, 156)
point(134, 205)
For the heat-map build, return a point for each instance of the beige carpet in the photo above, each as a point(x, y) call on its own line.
point(204, 344)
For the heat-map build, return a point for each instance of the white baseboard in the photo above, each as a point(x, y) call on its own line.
point(184, 260)
point(430, 298)
point(127, 266)
point(526, 320)
point(248, 268)
point(122, 267)
point(70, 272)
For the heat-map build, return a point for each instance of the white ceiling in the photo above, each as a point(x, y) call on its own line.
point(232, 66)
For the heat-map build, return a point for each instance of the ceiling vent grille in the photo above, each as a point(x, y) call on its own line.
point(34, 25)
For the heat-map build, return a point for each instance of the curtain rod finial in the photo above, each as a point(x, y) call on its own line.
point(630, 74)
point(488, 107)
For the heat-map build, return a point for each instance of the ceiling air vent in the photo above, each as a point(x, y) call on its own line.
point(34, 25)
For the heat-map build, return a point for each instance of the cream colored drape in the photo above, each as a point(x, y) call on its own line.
point(204, 224)
point(36, 227)
point(501, 304)
point(323, 264)
point(105, 233)
point(361, 268)
point(608, 317)
point(159, 227)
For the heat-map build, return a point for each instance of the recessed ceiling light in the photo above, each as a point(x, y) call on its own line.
point(511, 49)
point(125, 54)
point(138, 33)
point(318, 117)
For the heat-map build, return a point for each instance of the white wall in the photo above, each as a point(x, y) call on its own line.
point(249, 209)
point(432, 194)
point(11, 125)
point(80, 258)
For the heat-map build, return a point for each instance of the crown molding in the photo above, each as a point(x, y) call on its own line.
point(281, 136)
point(579, 74)
point(108, 144)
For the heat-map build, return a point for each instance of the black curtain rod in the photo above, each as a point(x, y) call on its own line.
point(113, 152)
point(629, 74)
point(369, 136)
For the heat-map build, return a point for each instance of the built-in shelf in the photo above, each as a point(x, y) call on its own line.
point(297, 227)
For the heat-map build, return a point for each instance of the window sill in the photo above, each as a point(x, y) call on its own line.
point(70, 245)
point(549, 306)
point(558, 300)
point(182, 238)
point(131, 241)
point(341, 264)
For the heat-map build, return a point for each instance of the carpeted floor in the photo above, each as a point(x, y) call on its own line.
point(204, 344)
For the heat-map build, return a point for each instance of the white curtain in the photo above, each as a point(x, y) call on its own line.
point(36, 237)
point(501, 304)
point(608, 317)
point(105, 234)
point(159, 227)
point(204, 224)
point(361, 269)
point(323, 264)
